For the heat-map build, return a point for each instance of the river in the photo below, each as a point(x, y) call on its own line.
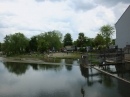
point(41, 80)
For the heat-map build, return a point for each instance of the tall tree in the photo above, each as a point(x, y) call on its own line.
point(0, 46)
point(33, 45)
point(67, 39)
point(107, 31)
point(42, 45)
point(15, 43)
point(53, 39)
point(99, 40)
point(82, 40)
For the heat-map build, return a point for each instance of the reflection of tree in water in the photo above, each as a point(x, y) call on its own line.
point(17, 68)
point(69, 61)
point(50, 67)
point(69, 68)
point(20, 68)
point(34, 66)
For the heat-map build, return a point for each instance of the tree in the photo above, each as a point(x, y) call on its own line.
point(107, 31)
point(42, 45)
point(0, 46)
point(81, 39)
point(15, 43)
point(33, 45)
point(113, 42)
point(51, 39)
point(99, 40)
point(67, 40)
point(84, 41)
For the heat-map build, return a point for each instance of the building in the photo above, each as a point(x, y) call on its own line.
point(123, 29)
point(70, 48)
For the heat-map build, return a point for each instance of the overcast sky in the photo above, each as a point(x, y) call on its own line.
point(33, 17)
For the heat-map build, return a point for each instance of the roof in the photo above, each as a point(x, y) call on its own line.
point(123, 14)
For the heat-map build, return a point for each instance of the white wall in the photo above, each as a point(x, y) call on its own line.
point(123, 29)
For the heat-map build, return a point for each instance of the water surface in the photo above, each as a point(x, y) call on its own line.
point(34, 80)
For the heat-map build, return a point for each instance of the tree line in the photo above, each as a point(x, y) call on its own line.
point(18, 43)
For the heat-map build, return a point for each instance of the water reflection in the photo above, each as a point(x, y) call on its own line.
point(69, 61)
point(34, 66)
point(69, 68)
point(89, 74)
point(50, 67)
point(54, 60)
point(62, 61)
point(20, 68)
point(121, 70)
point(17, 68)
point(58, 81)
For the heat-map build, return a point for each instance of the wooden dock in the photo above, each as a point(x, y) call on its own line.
point(112, 75)
point(105, 57)
point(124, 80)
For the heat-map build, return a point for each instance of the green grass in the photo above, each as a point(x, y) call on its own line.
point(39, 56)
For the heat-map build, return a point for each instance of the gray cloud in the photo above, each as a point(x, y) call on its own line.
point(7, 14)
point(82, 5)
point(110, 3)
point(40, 0)
point(7, 0)
point(49, 0)
point(1, 37)
point(2, 25)
point(76, 4)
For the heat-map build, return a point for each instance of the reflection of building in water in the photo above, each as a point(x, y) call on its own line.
point(124, 88)
point(123, 70)
point(127, 66)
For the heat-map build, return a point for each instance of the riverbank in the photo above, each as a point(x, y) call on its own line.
point(59, 55)
point(41, 59)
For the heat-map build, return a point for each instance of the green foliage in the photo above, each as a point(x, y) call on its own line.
point(15, 43)
point(81, 41)
point(15, 68)
point(99, 40)
point(42, 45)
point(113, 42)
point(53, 39)
point(107, 31)
point(82, 49)
point(67, 39)
point(33, 45)
point(0, 46)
